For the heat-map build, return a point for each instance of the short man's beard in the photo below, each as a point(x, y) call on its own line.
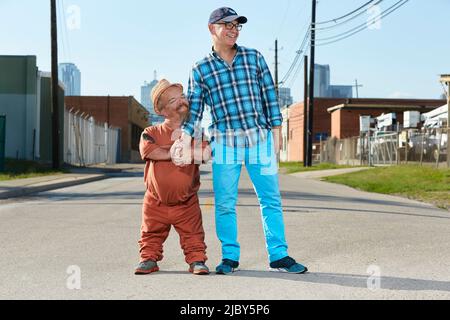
point(186, 117)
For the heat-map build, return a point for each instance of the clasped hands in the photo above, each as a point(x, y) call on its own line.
point(183, 152)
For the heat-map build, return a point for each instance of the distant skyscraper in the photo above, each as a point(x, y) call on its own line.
point(146, 100)
point(285, 97)
point(69, 74)
point(341, 91)
point(323, 88)
point(321, 80)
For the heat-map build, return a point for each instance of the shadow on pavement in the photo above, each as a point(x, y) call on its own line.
point(292, 195)
point(303, 209)
point(350, 280)
point(343, 280)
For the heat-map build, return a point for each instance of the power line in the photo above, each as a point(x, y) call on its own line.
point(61, 37)
point(362, 27)
point(65, 30)
point(346, 15)
point(300, 66)
point(365, 24)
point(297, 57)
point(348, 20)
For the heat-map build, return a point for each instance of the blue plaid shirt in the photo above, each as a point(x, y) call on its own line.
point(242, 97)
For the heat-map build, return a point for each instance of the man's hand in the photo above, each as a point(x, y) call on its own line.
point(202, 155)
point(277, 139)
point(181, 151)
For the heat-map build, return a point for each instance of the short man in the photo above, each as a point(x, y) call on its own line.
point(171, 195)
point(236, 83)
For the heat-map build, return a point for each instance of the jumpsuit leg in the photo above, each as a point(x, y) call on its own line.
point(187, 220)
point(155, 229)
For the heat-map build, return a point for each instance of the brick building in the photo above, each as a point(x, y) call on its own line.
point(339, 117)
point(125, 113)
point(294, 131)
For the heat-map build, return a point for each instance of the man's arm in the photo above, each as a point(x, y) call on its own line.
point(195, 97)
point(181, 152)
point(150, 150)
point(159, 154)
point(269, 98)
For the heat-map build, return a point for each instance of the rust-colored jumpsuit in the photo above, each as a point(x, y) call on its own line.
point(170, 199)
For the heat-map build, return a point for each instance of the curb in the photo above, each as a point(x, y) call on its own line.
point(24, 191)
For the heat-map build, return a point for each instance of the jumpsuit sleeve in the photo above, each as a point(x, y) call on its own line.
point(147, 143)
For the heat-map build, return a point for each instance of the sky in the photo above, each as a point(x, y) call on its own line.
point(118, 44)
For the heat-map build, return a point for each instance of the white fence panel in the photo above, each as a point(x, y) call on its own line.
point(87, 143)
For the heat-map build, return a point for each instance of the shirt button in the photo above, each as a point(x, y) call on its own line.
point(234, 84)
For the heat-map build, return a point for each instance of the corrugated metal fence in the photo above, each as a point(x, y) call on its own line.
point(87, 142)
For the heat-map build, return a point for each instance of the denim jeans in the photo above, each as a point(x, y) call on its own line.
point(260, 161)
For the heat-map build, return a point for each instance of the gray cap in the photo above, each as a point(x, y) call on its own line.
point(226, 14)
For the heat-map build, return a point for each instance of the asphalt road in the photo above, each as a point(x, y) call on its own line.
point(81, 243)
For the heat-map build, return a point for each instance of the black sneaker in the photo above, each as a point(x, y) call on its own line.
point(289, 265)
point(227, 266)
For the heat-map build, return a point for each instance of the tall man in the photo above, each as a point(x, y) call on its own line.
point(236, 83)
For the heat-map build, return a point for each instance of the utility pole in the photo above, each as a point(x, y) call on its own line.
point(305, 115)
point(311, 84)
point(276, 70)
point(445, 78)
point(357, 86)
point(55, 88)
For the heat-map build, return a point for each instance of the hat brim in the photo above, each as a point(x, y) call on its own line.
point(240, 19)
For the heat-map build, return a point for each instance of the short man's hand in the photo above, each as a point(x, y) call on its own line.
point(181, 152)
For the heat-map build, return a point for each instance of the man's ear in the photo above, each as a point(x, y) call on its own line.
point(212, 29)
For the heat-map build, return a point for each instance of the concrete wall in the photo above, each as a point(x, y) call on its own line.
point(18, 101)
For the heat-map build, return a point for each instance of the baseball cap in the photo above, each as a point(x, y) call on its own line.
point(226, 14)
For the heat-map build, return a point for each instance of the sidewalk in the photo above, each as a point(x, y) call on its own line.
point(326, 173)
point(23, 187)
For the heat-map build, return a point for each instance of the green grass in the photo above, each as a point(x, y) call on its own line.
point(426, 184)
point(22, 169)
point(292, 167)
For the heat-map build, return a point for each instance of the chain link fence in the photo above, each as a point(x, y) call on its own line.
point(426, 146)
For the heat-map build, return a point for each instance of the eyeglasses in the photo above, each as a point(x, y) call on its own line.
point(231, 25)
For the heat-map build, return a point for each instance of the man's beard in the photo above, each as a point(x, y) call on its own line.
point(185, 116)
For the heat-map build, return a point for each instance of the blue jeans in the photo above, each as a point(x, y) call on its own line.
point(262, 167)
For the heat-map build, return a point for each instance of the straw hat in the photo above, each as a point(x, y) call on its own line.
point(159, 89)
